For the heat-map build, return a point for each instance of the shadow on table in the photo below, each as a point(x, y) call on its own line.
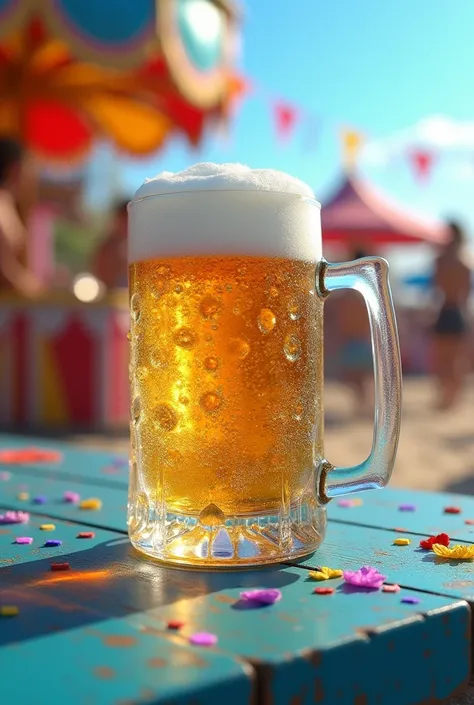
point(463, 485)
point(106, 581)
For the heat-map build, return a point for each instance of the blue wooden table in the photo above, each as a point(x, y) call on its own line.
point(98, 633)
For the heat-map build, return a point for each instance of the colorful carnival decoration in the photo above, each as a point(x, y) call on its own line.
point(129, 71)
point(357, 215)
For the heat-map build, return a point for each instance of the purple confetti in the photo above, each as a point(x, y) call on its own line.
point(40, 499)
point(14, 518)
point(53, 542)
point(5, 476)
point(411, 600)
point(203, 639)
point(71, 497)
point(263, 597)
point(24, 539)
point(365, 577)
point(120, 461)
point(407, 507)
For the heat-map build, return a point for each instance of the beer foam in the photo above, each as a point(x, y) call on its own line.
point(224, 209)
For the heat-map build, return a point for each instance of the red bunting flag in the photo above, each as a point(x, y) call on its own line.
point(286, 116)
point(422, 161)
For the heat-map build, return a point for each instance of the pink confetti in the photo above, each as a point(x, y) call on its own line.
point(407, 507)
point(24, 539)
point(262, 597)
point(203, 639)
point(344, 503)
point(365, 577)
point(14, 518)
point(390, 588)
point(71, 497)
point(5, 476)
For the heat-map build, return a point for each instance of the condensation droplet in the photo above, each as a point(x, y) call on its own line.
point(164, 271)
point(178, 289)
point(135, 307)
point(266, 320)
point(211, 363)
point(183, 399)
point(244, 286)
point(210, 401)
point(165, 417)
point(298, 413)
point(160, 287)
point(273, 291)
point(209, 306)
point(242, 271)
point(142, 372)
point(185, 338)
point(212, 516)
point(136, 409)
point(294, 311)
point(292, 348)
point(214, 326)
point(238, 347)
point(157, 358)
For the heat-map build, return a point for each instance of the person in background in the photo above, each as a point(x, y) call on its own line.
point(14, 275)
point(452, 280)
point(110, 263)
point(356, 349)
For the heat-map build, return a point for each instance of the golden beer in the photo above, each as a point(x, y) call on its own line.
point(226, 361)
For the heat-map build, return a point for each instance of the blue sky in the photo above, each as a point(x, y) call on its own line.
point(390, 69)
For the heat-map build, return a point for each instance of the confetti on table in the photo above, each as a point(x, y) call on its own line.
point(14, 518)
point(356, 502)
point(86, 535)
point(407, 507)
point(457, 552)
point(23, 496)
point(325, 573)
point(401, 530)
point(120, 461)
point(71, 497)
point(5, 476)
point(203, 639)
point(9, 611)
point(391, 588)
point(452, 510)
point(442, 539)
point(175, 624)
point(410, 600)
point(48, 527)
point(401, 542)
point(40, 499)
point(24, 539)
point(470, 522)
point(29, 455)
point(323, 591)
point(53, 542)
point(60, 566)
point(365, 577)
point(92, 503)
point(262, 597)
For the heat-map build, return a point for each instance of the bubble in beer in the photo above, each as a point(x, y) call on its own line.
point(209, 306)
point(164, 271)
point(294, 311)
point(183, 399)
point(135, 307)
point(266, 320)
point(157, 358)
point(273, 291)
point(211, 363)
point(292, 348)
point(210, 401)
point(185, 338)
point(238, 347)
point(212, 516)
point(160, 287)
point(142, 372)
point(136, 409)
point(178, 289)
point(165, 417)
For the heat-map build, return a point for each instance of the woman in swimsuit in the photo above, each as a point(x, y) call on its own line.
point(452, 278)
point(14, 275)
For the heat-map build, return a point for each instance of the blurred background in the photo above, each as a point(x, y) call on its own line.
point(371, 104)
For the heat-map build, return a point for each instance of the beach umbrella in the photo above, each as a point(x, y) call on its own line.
point(357, 215)
point(130, 71)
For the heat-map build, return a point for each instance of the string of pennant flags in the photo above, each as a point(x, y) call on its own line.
point(289, 118)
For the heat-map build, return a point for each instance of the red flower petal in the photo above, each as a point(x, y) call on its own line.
point(443, 539)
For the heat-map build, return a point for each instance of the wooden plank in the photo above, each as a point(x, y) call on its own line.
point(381, 509)
point(316, 648)
point(99, 467)
point(112, 515)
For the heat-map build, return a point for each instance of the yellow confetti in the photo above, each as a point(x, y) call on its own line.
point(325, 573)
point(457, 552)
point(48, 527)
point(9, 611)
point(23, 496)
point(402, 542)
point(92, 503)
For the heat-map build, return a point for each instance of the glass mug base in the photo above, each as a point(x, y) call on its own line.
point(212, 540)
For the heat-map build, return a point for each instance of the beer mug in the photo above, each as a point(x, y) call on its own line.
point(227, 290)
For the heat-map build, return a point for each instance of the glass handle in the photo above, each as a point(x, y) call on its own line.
point(369, 276)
